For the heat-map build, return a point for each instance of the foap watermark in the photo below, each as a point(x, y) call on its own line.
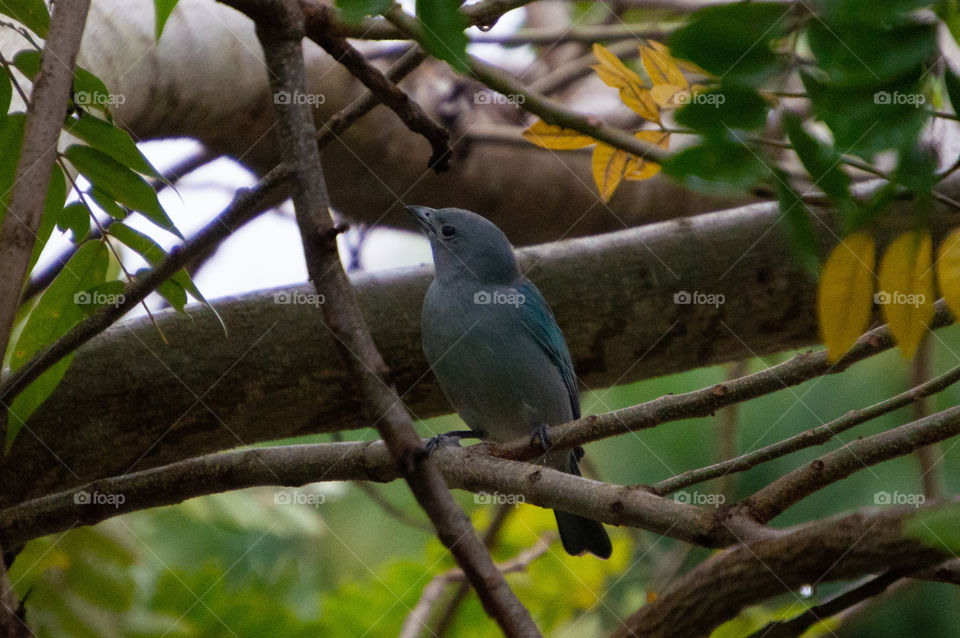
point(285, 97)
point(98, 98)
point(296, 298)
point(699, 498)
point(897, 298)
point(898, 498)
point(499, 298)
point(710, 98)
point(83, 497)
point(489, 97)
point(97, 298)
point(898, 98)
point(698, 298)
point(486, 498)
point(296, 497)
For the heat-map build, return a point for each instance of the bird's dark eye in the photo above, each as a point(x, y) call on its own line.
point(448, 231)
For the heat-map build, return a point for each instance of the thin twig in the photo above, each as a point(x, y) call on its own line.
point(548, 110)
point(809, 438)
point(318, 20)
point(855, 595)
point(342, 120)
point(769, 501)
point(246, 205)
point(416, 621)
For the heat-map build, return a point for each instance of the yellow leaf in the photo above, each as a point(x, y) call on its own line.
point(608, 165)
point(633, 93)
point(555, 137)
point(641, 102)
point(638, 168)
point(844, 296)
point(660, 65)
point(948, 271)
point(669, 96)
point(906, 289)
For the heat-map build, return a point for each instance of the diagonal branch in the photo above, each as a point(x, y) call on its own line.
point(280, 32)
point(246, 205)
point(769, 501)
point(38, 152)
point(318, 20)
point(836, 549)
point(809, 438)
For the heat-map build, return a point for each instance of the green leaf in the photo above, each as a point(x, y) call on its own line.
point(443, 29)
point(75, 217)
point(733, 41)
point(953, 89)
point(354, 10)
point(106, 203)
point(717, 167)
point(56, 196)
point(143, 245)
point(938, 528)
point(89, 91)
point(11, 139)
point(113, 141)
point(879, 12)
point(109, 293)
point(120, 183)
point(864, 55)
point(865, 122)
point(32, 13)
point(162, 9)
point(28, 62)
point(6, 90)
point(821, 161)
point(57, 310)
point(174, 293)
point(797, 225)
point(727, 107)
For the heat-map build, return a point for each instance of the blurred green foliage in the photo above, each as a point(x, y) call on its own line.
point(239, 565)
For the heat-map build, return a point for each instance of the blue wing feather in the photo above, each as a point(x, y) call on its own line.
point(536, 317)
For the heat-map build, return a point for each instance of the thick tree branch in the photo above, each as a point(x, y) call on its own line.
point(835, 549)
point(45, 114)
point(469, 468)
point(613, 296)
point(280, 34)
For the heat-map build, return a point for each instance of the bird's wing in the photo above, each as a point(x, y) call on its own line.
point(536, 317)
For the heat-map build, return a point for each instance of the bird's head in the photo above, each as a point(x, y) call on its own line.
point(466, 245)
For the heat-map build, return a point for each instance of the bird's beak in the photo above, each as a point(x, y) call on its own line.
point(423, 216)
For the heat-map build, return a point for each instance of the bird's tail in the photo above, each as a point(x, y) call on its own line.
point(580, 534)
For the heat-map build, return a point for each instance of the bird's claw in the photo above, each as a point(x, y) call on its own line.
point(541, 435)
point(451, 438)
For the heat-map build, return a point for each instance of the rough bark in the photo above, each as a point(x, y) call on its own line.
point(177, 88)
point(276, 374)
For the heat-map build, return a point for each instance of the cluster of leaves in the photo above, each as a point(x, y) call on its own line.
point(872, 74)
point(107, 157)
point(669, 90)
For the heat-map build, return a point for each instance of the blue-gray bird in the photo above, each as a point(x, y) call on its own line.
point(494, 346)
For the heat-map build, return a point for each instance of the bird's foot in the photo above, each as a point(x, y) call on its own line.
point(452, 438)
point(541, 435)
